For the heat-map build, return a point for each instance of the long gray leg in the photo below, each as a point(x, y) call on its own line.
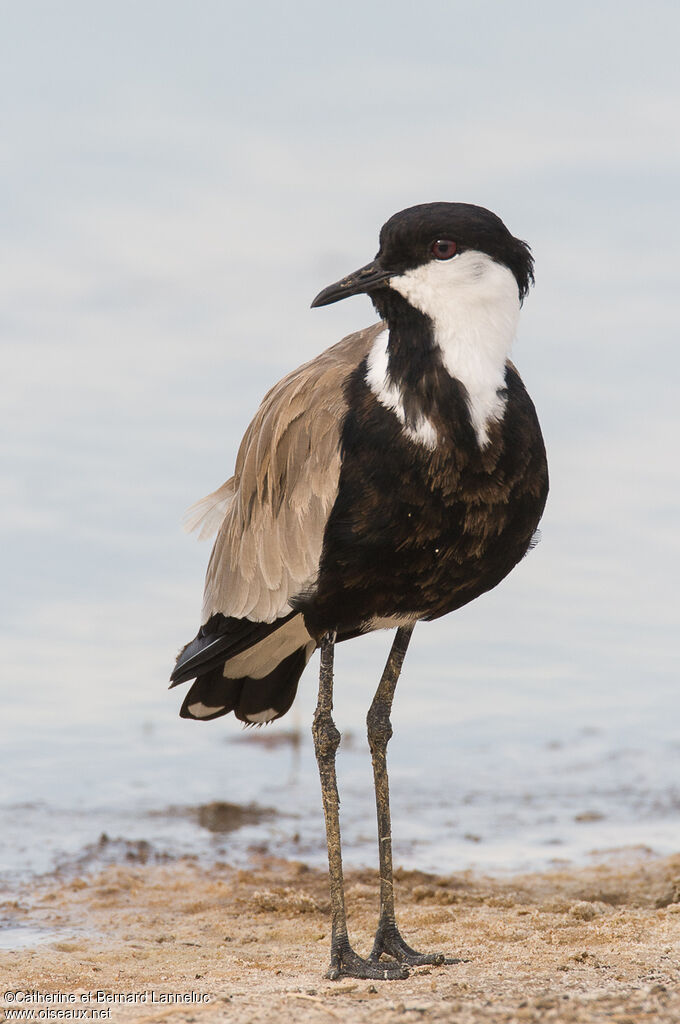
point(388, 938)
point(344, 961)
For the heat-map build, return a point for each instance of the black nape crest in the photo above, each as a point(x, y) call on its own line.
point(522, 265)
point(406, 238)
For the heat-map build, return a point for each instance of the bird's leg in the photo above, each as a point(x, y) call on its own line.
point(388, 938)
point(344, 961)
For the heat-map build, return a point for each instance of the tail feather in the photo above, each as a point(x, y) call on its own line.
point(219, 640)
point(253, 701)
point(250, 668)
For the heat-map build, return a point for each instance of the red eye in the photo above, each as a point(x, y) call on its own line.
point(443, 249)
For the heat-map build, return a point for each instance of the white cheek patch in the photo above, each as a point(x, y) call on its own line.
point(473, 303)
point(390, 397)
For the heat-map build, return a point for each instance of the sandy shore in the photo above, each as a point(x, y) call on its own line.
point(595, 944)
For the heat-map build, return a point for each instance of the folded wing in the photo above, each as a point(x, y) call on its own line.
point(270, 519)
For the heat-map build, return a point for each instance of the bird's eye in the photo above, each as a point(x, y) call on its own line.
point(443, 249)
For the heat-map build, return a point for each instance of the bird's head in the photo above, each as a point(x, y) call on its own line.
point(438, 253)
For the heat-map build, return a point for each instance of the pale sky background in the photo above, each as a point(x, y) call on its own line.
point(180, 179)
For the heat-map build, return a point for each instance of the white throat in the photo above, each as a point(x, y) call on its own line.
point(473, 303)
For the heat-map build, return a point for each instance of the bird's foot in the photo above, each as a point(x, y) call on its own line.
point(388, 940)
point(345, 963)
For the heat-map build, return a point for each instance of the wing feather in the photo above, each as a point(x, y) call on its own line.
point(209, 512)
point(272, 514)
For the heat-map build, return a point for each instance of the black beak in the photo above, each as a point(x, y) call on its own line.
point(365, 280)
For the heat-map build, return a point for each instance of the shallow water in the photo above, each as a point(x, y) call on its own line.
point(489, 790)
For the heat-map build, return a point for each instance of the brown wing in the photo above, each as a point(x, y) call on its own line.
point(272, 513)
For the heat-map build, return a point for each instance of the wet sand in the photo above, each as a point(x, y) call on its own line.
point(592, 944)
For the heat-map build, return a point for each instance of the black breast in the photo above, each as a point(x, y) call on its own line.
point(419, 532)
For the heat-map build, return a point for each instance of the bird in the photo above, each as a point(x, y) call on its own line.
point(390, 480)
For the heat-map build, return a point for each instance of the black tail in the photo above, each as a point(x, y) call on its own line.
point(250, 668)
point(252, 700)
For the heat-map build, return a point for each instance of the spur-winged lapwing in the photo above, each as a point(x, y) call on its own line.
point(395, 477)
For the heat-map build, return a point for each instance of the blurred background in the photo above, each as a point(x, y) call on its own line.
point(179, 180)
